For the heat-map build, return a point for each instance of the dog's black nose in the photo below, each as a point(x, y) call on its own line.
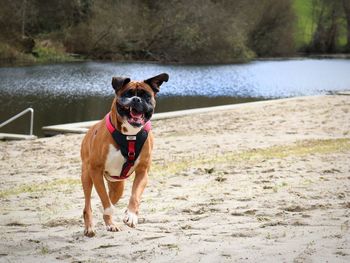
point(136, 100)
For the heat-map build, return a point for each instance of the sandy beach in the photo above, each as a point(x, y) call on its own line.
point(265, 182)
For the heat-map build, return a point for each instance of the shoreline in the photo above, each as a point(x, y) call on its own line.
point(73, 59)
point(268, 182)
point(82, 127)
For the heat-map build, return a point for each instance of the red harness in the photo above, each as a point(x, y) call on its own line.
point(130, 145)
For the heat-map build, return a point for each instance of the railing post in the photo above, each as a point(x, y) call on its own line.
point(31, 110)
point(31, 121)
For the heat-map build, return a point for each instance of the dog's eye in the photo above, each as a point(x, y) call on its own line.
point(144, 94)
point(128, 94)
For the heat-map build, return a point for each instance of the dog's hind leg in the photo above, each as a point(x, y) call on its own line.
point(87, 213)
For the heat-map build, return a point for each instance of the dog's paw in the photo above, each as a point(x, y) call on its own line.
point(113, 228)
point(89, 232)
point(130, 218)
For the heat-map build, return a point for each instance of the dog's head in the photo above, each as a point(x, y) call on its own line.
point(135, 100)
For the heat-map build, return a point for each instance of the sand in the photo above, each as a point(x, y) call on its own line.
point(263, 182)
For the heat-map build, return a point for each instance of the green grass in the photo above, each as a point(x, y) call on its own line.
point(39, 187)
point(302, 148)
point(252, 156)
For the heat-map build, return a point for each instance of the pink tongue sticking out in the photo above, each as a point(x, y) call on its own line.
point(135, 114)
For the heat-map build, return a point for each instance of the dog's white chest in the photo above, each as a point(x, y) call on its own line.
point(114, 163)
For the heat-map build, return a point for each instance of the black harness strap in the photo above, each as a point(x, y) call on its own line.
point(130, 145)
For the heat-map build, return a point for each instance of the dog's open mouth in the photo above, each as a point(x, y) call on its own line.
point(135, 117)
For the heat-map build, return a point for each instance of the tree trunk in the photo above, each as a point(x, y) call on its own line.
point(24, 7)
point(346, 5)
point(332, 31)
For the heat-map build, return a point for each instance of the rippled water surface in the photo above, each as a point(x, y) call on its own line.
point(72, 92)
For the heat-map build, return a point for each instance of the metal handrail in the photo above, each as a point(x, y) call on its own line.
point(19, 115)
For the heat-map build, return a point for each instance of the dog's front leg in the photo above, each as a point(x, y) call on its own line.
point(97, 178)
point(139, 184)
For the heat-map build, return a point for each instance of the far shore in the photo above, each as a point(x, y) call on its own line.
point(260, 182)
point(80, 59)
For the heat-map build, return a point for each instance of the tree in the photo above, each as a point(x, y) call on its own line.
point(199, 31)
point(273, 31)
point(328, 15)
point(346, 6)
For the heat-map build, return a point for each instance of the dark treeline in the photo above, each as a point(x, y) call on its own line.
point(197, 31)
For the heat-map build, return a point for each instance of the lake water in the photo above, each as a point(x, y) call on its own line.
point(63, 93)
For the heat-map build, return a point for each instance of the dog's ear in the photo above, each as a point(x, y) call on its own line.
point(156, 81)
point(119, 82)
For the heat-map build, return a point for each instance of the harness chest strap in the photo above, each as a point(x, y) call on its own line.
point(130, 145)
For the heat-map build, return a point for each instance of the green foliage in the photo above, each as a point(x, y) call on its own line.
point(321, 25)
point(199, 31)
point(46, 51)
point(273, 32)
point(305, 25)
point(10, 55)
point(203, 31)
point(43, 52)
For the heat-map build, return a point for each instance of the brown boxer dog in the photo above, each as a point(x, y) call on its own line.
point(111, 150)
